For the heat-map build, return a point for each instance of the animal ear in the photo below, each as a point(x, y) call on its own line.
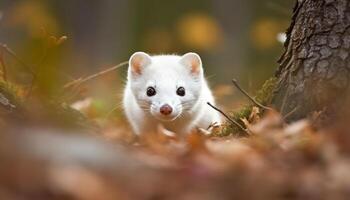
point(138, 61)
point(193, 62)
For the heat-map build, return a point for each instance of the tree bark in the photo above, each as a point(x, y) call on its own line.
point(313, 73)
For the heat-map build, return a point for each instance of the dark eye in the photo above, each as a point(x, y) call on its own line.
point(181, 91)
point(151, 91)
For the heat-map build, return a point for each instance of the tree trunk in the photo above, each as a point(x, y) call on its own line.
point(313, 72)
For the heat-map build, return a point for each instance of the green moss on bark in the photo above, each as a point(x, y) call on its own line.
point(263, 96)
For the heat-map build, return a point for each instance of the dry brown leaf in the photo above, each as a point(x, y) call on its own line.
point(271, 121)
point(254, 115)
point(196, 141)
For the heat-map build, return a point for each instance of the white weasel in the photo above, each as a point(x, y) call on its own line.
point(169, 90)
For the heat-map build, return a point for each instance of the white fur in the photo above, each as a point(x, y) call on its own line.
point(166, 73)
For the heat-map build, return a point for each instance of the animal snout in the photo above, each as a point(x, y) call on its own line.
point(166, 109)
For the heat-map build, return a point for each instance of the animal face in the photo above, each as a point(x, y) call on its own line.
point(166, 86)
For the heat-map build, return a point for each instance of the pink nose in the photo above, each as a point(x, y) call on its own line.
point(166, 109)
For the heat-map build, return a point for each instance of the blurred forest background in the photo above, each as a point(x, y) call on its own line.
point(48, 150)
point(236, 39)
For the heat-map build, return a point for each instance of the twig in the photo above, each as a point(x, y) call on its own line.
point(235, 83)
point(9, 51)
point(228, 118)
point(286, 95)
point(14, 55)
point(112, 111)
point(37, 72)
point(82, 80)
point(290, 113)
point(2, 63)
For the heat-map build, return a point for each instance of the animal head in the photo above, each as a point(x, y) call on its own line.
point(166, 86)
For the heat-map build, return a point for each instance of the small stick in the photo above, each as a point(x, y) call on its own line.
point(235, 83)
point(37, 71)
point(228, 118)
point(9, 51)
point(290, 113)
point(14, 55)
point(82, 80)
point(285, 97)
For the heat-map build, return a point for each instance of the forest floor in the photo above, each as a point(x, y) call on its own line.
point(58, 150)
